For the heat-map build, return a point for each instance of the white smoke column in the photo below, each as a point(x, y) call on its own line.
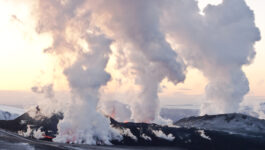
point(135, 25)
point(218, 43)
point(84, 51)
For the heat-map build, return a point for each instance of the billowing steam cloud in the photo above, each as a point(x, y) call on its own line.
point(115, 109)
point(89, 52)
point(218, 43)
point(135, 25)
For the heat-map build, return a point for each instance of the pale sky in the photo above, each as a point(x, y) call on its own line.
point(23, 64)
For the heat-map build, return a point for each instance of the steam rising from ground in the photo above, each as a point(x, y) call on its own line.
point(84, 52)
point(121, 112)
point(218, 43)
point(136, 26)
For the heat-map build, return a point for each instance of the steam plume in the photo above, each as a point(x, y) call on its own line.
point(89, 52)
point(218, 43)
point(135, 25)
point(118, 111)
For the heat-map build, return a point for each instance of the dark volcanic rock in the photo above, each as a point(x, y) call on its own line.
point(231, 123)
point(46, 124)
point(190, 138)
point(142, 134)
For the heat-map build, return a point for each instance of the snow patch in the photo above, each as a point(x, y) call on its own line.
point(9, 113)
point(4, 115)
point(12, 110)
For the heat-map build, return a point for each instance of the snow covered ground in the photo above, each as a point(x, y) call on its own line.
point(10, 112)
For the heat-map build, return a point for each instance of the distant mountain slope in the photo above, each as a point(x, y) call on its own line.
point(10, 113)
point(5, 115)
point(232, 123)
point(176, 114)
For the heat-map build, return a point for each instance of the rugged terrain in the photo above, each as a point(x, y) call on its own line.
point(229, 131)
